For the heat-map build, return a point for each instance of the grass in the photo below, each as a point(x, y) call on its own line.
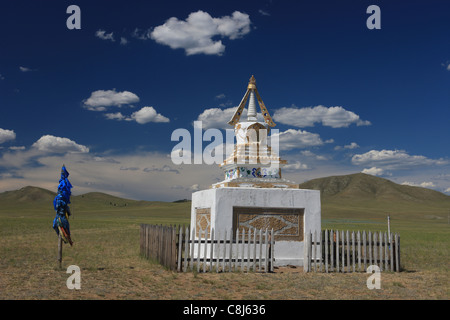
point(106, 248)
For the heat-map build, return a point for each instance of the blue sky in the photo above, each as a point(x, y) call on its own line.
point(106, 98)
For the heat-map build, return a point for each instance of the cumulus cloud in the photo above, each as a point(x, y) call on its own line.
point(143, 116)
point(6, 135)
point(194, 187)
point(164, 168)
point(195, 34)
point(393, 159)
point(295, 166)
point(15, 148)
point(115, 116)
point(218, 118)
point(297, 139)
point(428, 184)
point(49, 143)
point(148, 114)
point(123, 41)
point(374, 171)
point(25, 69)
point(350, 146)
point(100, 99)
point(335, 117)
point(104, 36)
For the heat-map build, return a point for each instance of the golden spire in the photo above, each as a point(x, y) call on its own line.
point(251, 89)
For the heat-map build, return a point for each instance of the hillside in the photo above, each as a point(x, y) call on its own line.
point(353, 194)
point(360, 186)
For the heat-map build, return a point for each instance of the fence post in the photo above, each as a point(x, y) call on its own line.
point(397, 253)
point(391, 248)
point(353, 250)
point(348, 251)
point(225, 250)
point(254, 251)
point(343, 250)
point(315, 250)
point(272, 245)
point(243, 249)
point(375, 255)
point(231, 250)
point(326, 251)
point(266, 260)
point(386, 255)
point(305, 252)
point(358, 239)
point(337, 251)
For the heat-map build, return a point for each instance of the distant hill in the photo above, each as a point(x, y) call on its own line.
point(363, 187)
point(341, 195)
point(34, 198)
point(27, 195)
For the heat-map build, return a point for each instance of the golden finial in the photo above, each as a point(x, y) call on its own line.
point(252, 83)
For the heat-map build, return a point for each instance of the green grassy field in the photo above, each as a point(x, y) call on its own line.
point(106, 248)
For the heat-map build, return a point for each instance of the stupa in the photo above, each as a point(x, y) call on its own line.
point(253, 194)
point(253, 162)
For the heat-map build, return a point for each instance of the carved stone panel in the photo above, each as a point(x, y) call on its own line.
point(202, 221)
point(287, 223)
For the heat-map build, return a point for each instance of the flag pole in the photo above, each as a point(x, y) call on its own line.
point(60, 246)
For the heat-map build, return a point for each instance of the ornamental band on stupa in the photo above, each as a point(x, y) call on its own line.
point(253, 195)
point(253, 163)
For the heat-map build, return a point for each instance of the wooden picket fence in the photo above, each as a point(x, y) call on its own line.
point(176, 249)
point(158, 242)
point(339, 251)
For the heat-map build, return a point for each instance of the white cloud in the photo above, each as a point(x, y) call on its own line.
point(263, 13)
point(164, 168)
point(218, 118)
point(335, 117)
point(100, 99)
point(123, 41)
point(422, 184)
point(374, 171)
point(148, 114)
point(6, 135)
point(104, 36)
point(25, 69)
point(17, 148)
point(143, 116)
point(115, 116)
point(350, 146)
point(447, 190)
point(49, 143)
point(297, 139)
point(295, 166)
point(194, 187)
point(308, 153)
point(140, 34)
point(195, 34)
point(393, 159)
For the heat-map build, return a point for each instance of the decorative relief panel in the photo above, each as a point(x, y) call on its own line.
point(287, 223)
point(202, 221)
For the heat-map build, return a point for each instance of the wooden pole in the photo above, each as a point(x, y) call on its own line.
point(60, 246)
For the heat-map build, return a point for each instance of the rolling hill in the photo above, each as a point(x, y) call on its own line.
point(347, 195)
point(360, 186)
